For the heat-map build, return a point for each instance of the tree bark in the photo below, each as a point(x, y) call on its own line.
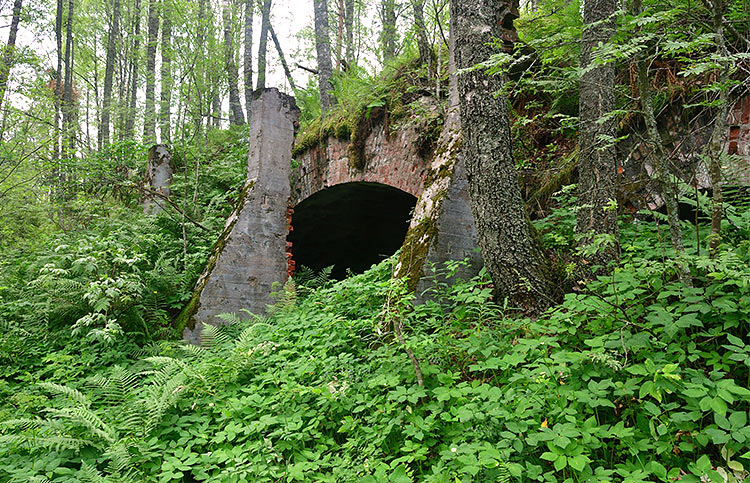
point(518, 266)
point(166, 74)
point(425, 49)
point(236, 116)
point(58, 83)
point(9, 55)
point(248, 56)
point(323, 51)
point(262, 44)
point(598, 165)
point(132, 96)
point(67, 104)
point(109, 67)
point(149, 116)
point(339, 32)
point(389, 32)
point(349, 31)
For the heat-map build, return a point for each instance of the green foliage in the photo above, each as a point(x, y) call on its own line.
point(634, 377)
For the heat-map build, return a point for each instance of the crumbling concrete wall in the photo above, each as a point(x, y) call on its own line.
point(250, 255)
point(158, 178)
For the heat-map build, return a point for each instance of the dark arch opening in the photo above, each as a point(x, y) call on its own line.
point(350, 226)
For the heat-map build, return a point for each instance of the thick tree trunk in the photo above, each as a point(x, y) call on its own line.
point(389, 32)
point(109, 67)
point(166, 75)
point(323, 50)
point(149, 116)
point(425, 50)
point(248, 56)
point(263, 43)
point(236, 116)
point(9, 55)
point(284, 65)
point(512, 256)
point(598, 165)
point(132, 96)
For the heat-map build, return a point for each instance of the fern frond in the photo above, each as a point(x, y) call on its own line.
point(71, 393)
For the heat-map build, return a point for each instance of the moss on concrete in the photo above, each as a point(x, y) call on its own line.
point(185, 319)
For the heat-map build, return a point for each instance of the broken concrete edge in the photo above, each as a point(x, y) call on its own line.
point(423, 228)
point(185, 319)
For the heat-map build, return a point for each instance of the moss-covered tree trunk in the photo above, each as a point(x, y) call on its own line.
point(513, 258)
point(597, 166)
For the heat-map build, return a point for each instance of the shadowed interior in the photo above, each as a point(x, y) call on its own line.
point(350, 226)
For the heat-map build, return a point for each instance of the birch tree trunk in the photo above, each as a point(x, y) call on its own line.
point(598, 165)
point(515, 261)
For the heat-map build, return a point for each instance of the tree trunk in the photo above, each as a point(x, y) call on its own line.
point(425, 50)
point(518, 267)
point(262, 43)
point(9, 55)
point(389, 32)
point(598, 165)
point(130, 118)
point(58, 82)
point(109, 67)
point(149, 116)
point(349, 31)
point(718, 133)
point(323, 50)
point(287, 72)
point(236, 116)
point(68, 142)
point(248, 56)
point(166, 75)
point(339, 32)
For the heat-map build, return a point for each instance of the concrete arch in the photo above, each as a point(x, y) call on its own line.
point(348, 226)
point(389, 159)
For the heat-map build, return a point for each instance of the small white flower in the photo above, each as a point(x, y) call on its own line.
point(454, 449)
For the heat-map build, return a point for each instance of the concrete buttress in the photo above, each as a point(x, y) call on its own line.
point(250, 255)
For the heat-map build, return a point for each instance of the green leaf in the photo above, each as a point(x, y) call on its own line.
point(561, 462)
point(549, 456)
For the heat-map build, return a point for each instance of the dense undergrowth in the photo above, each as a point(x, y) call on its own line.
point(633, 377)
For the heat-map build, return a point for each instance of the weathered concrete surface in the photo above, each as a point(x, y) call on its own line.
point(391, 159)
point(158, 178)
point(442, 228)
point(250, 255)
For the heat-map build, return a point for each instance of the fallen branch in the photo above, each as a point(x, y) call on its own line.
point(175, 206)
